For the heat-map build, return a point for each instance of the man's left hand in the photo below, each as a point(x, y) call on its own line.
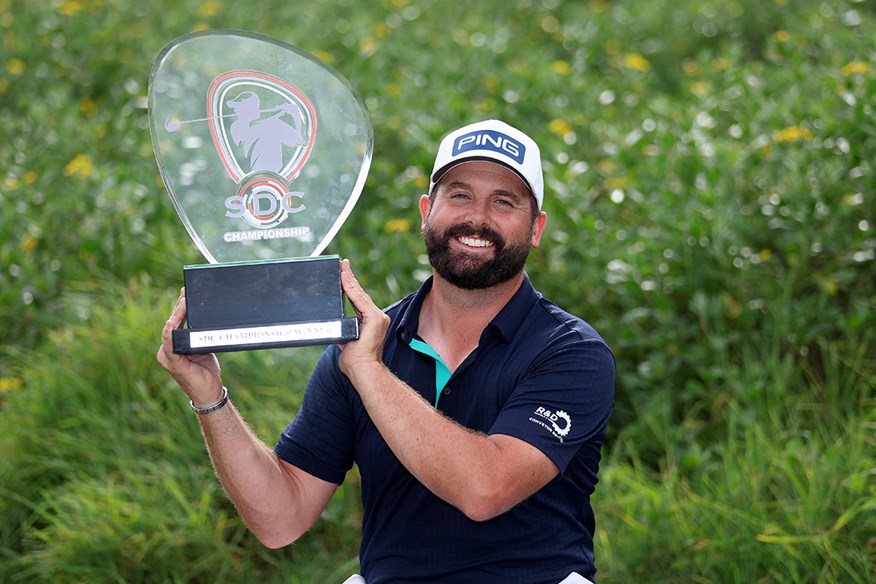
point(373, 324)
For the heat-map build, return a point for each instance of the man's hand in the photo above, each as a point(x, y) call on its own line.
point(480, 475)
point(368, 349)
point(198, 375)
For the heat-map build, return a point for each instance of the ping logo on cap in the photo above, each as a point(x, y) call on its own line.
point(490, 140)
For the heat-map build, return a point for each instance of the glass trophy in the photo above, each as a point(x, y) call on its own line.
point(264, 151)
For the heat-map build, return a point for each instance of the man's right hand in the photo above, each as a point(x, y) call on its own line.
point(278, 501)
point(198, 375)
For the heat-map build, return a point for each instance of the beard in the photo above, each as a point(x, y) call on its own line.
point(469, 271)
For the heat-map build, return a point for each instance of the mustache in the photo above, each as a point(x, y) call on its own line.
point(484, 232)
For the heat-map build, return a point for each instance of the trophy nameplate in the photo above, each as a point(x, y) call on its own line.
point(264, 151)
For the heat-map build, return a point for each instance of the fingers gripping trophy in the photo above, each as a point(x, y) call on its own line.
point(264, 151)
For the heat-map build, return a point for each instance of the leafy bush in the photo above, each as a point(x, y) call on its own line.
point(710, 192)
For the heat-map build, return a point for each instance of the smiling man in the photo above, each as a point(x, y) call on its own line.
point(474, 408)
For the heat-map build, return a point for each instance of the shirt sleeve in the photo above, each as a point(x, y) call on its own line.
point(564, 403)
point(320, 438)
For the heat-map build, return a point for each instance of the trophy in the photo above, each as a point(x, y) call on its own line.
point(264, 150)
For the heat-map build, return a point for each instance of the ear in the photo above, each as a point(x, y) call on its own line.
point(425, 207)
point(538, 228)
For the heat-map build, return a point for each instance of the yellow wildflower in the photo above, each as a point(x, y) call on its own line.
point(80, 166)
point(606, 165)
point(721, 64)
point(29, 243)
point(15, 67)
point(700, 88)
point(853, 199)
point(493, 83)
point(561, 67)
point(549, 24)
point(368, 46)
point(8, 384)
point(560, 127)
point(637, 62)
point(828, 285)
point(765, 255)
point(87, 106)
point(617, 182)
point(485, 106)
point(781, 36)
point(324, 56)
point(691, 68)
point(598, 6)
point(70, 7)
point(381, 30)
point(208, 9)
point(855, 68)
point(394, 122)
point(793, 134)
point(397, 225)
point(421, 181)
point(29, 177)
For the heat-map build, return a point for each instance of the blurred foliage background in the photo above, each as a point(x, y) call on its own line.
point(710, 192)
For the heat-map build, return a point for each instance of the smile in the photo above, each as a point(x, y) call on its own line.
point(475, 242)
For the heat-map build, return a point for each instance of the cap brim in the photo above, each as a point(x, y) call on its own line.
point(438, 174)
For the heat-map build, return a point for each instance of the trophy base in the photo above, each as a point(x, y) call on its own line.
point(273, 336)
point(243, 306)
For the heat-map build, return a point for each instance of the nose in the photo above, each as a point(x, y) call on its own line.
point(478, 212)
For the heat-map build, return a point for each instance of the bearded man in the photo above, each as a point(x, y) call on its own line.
point(474, 408)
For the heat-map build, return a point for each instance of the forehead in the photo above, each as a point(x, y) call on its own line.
point(483, 175)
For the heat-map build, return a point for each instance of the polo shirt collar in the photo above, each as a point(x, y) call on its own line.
point(410, 318)
point(507, 322)
point(510, 318)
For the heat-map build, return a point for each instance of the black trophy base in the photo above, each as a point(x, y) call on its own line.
point(243, 306)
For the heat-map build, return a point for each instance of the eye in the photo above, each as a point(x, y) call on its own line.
point(506, 203)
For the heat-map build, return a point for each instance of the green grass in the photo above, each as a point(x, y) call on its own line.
point(105, 476)
point(785, 496)
point(710, 183)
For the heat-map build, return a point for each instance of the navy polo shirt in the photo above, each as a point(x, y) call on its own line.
point(539, 374)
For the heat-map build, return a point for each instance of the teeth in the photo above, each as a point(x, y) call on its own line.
point(475, 242)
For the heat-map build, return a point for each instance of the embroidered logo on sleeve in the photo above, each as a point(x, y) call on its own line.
point(558, 423)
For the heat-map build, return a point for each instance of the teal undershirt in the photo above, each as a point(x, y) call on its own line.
point(442, 373)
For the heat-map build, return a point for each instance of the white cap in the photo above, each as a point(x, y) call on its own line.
point(495, 141)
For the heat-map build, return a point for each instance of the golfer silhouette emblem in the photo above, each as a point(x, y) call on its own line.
point(264, 130)
point(263, 138)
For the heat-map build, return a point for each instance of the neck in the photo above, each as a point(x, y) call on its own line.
point(452, 312)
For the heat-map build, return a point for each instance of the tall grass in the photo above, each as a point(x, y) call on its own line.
point(786, 496)
point(104, 476)
point(710, 190)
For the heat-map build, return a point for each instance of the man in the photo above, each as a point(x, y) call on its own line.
point(474, 408)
